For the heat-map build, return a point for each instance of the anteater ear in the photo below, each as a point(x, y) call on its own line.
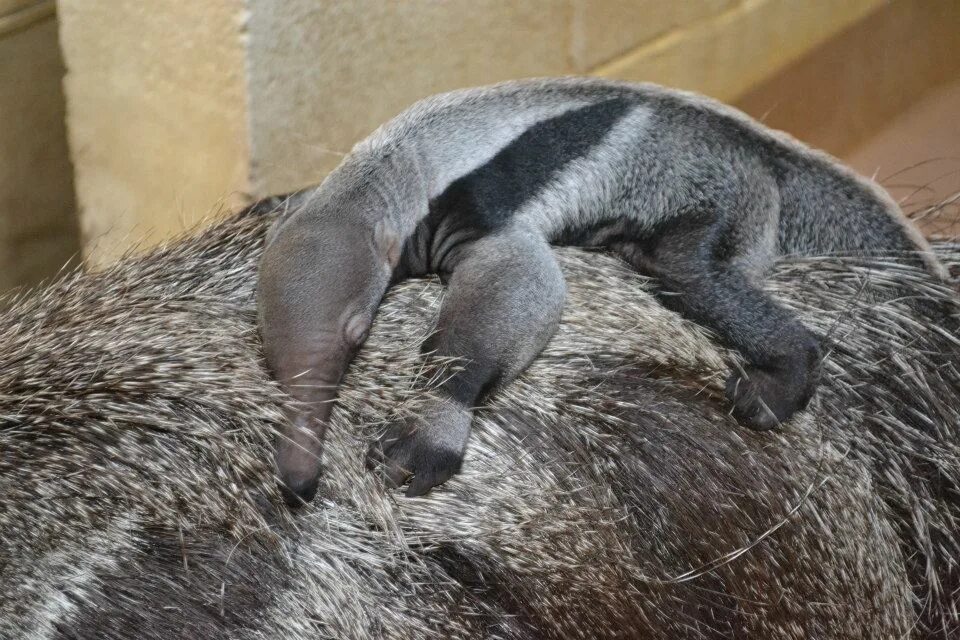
point(284, 206)
point(387, 243)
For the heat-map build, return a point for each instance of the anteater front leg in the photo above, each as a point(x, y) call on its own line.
point(503, 304)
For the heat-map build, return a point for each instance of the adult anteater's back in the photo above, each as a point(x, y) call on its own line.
point(605, 494)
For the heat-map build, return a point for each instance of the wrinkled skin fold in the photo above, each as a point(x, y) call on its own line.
point(606, 493)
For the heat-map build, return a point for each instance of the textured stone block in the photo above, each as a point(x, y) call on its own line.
point(157, 116)
point(604, 30)
point(877, 68)
point(324, 74)
point(725, 56)
point(178, 108)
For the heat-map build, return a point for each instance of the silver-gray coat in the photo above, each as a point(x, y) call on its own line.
point(476, 184)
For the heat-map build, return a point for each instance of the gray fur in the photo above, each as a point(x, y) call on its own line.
point(605, 494)
point(682, 187)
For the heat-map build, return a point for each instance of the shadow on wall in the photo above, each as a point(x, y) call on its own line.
point(38, 223)
point(917, 158)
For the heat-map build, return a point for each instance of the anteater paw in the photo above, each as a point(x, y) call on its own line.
point(765, 398)
point(426, 450)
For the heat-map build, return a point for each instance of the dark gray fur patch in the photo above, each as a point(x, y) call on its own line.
point(205, 575)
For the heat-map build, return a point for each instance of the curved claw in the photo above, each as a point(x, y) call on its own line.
point(442, 469)
point(763, 399)
point(425, 451)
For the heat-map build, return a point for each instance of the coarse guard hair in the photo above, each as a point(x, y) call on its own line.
point(606, 493)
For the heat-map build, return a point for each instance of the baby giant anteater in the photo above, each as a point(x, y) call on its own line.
point(475, 184)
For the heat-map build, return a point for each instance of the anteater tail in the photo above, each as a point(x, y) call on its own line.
point(828, 209)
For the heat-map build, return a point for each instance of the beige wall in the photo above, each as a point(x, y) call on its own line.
point(177, 108)
point(180, 110)
point(840, 94)
point(324, 74)
point(157, 115)
point(884, 96)
point(37, 222)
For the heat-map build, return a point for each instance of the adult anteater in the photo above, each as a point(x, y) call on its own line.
point(605, 494)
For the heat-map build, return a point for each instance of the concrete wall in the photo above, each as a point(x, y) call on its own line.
point(157, 115)
point(914, 156)
point(177, 109)
point(180, 110)
point(37, 223)
point(883, 95)
point(863, 77)
point(324, 74)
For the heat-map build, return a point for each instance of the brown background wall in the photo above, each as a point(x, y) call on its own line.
point(884, 95)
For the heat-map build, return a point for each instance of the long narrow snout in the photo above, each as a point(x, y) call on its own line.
point(310, 371)
point(321, 279)
point(299, 449)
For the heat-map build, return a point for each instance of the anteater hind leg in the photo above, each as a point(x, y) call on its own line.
point(704, 277)
point(504, 299)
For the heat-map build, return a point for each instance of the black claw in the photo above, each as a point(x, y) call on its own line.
point(375, 457)
point(424, 482)
point(762, 400)
point(761, 419)
point(419, 488)
point(412, 457)
point(397, 475)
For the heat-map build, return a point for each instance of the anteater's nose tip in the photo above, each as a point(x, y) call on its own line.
point(298, 491)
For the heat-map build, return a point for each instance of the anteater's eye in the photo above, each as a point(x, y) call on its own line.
point(356, 330)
